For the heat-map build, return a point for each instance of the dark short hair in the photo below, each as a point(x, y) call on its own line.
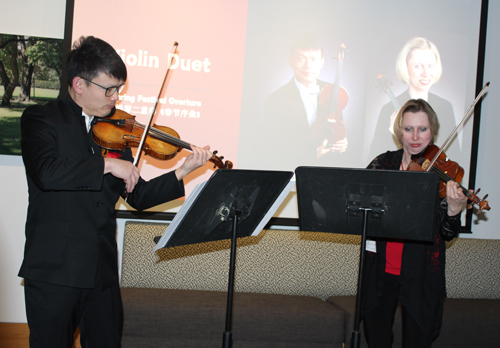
point(414, 106)
point(307, 41)
point(90, 57)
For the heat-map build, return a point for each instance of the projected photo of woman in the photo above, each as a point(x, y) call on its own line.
point(419, 66)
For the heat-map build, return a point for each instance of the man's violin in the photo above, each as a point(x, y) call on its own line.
point(121, 130)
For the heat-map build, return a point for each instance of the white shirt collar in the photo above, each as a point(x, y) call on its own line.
point(309, 96)
point(88, 120)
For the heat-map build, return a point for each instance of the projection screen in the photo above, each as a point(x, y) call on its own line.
point(233, 55)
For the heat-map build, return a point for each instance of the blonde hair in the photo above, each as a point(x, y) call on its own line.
point(405, 55)
point(416, 105)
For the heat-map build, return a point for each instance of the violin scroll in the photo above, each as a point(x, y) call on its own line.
point(482, 204)
point(218, 161)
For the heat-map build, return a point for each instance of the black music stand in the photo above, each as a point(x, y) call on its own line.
point(338, 200)
point(248, 198)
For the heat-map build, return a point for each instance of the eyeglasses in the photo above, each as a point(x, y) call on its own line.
point(109, 90)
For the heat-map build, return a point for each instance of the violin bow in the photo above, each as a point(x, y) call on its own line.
point(467, 113)
point(153, 111)
point(147, 126)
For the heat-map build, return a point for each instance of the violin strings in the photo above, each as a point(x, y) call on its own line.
point(170, 138)
point(445, 177)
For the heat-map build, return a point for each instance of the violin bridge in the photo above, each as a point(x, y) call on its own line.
point(425, 165)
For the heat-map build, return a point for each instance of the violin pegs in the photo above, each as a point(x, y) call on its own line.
point(477, 191)
point(485, 197)
point(221, 158)
point(215, 152)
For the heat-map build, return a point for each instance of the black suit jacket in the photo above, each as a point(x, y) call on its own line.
point(285, 133)
point(71, 225)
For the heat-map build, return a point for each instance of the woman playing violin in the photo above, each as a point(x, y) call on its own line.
point(411, 273)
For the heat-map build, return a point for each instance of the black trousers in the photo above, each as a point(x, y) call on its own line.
point(378, 323)
point(54, 312)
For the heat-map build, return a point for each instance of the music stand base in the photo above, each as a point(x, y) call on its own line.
point(355, 340)
point(227, 340)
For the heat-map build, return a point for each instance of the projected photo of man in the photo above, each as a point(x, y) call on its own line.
point(291, 111)
point(419, 66)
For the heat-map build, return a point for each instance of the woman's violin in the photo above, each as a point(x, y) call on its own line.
point(447, 170)
point(433, 158)
point(121, 130)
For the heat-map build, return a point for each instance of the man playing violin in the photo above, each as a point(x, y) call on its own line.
point(291, 111)
point(412, 273)
point(70, 265)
